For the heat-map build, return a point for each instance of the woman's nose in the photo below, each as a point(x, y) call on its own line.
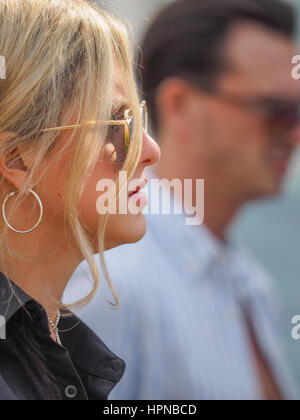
point(150, 151)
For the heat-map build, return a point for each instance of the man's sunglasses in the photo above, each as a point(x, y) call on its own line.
point(282, 115)
point(119, 132)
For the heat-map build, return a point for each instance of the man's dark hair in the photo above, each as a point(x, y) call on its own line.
point(186, 40)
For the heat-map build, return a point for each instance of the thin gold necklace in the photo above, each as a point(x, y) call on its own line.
point(54, 324)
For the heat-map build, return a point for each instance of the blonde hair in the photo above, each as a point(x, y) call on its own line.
point(60, 60)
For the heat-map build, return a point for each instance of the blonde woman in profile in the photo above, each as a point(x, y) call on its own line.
point(70, 117)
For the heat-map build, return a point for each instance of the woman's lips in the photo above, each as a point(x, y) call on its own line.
point(134, 192)
point(139, 196)
point(140, 199)
point(141, 185)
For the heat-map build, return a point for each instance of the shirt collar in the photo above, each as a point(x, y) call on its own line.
point(89, 353)
point(12, 298)
point(94, 358)
point(202, 249)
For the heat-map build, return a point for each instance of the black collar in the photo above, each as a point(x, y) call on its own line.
point(86, 349)
point(12, 298)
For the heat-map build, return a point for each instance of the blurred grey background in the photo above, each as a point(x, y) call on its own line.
point(270, 228)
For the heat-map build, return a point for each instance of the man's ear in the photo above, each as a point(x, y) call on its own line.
point(12, 167)
point(171, 96)
point(172, 100)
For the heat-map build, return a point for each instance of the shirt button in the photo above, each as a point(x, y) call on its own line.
point(71, 391)
point(36, 316)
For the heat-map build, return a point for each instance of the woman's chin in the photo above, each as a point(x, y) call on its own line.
point(124, 229)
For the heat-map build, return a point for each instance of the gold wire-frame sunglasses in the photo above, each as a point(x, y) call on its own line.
point(127, 122)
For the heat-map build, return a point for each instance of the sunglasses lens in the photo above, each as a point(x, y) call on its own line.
point(116, 144)
point(129, 137)
point(143, 116)
point(118, 139)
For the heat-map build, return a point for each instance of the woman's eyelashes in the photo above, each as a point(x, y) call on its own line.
point(118, 116)
point(119, 111)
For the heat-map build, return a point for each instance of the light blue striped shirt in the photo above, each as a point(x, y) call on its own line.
point(181, 328)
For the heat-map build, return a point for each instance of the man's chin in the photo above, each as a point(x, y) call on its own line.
point(269, 190)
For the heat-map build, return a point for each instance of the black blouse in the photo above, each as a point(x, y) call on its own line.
point(34, 367)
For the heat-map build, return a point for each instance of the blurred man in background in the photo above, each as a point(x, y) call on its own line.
point(198, 316)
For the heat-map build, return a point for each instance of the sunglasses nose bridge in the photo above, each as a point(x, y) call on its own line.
point(295, 129)
point(295, 119)
point(286, 119)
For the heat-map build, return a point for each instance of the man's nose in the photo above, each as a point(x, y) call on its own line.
point(150, 151)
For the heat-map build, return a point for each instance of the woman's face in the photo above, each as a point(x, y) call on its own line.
point(121, 228)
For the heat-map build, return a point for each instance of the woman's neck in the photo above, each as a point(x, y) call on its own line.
point(42, 272)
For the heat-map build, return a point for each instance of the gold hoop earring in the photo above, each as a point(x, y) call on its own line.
point(7, 197)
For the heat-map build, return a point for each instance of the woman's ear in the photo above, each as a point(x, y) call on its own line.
point(12, 167)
